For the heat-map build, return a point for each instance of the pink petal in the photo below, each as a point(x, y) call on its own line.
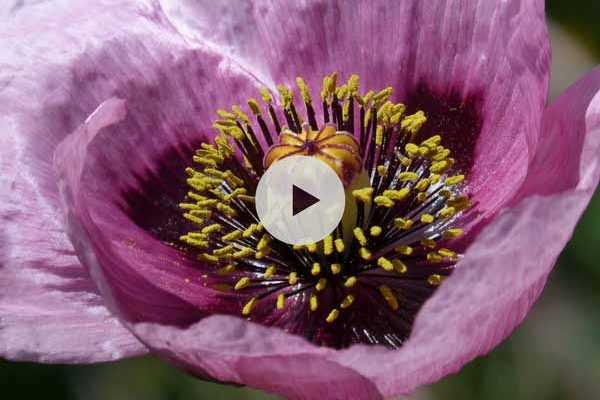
point(488, 295)
point(569, 144)
point(230, 349)
point(479, 65)
point(50, 309)
point(505, 270)
point(170, 92)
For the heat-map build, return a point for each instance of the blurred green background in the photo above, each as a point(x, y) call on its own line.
point(554, 355)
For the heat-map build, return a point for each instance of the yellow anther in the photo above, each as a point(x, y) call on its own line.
point(423, 151)
point(208, 258)
point(389, 297)
point(245, 252)
point(364, 194)
point(259, 255)
point(225, 114)
point(381, 170)
point(193, 218)
point(383, 95)
point(235, 193)
point(452, 233)
point(254, 106)
point(422, 185)
point(347, 301)
point(286, 95)
point(379, 135)
point(211, 228)
point(435, 279)
point(375, 231)
point(360, 236)
point(207, 203)
point(328, 245)
point(350, 282)
point(447, 253)
point(189, 206)
point(384, 201)
point(439, 166)
point(241, 115)
point(233, 179)
point(396, 194)
point(447, 212)
point(201, 213)
point(311, 247)
point(263, 243)
point(342, 92)
point(339, 245)
point(231, 236)
point(228, 269)
point(225, 209)
point(346, 111)
point(353, 84)
point(445, 193)
point(441, 155)
point(427, 218)
point(199, 243)
point(407, 176)
point(280, 301)
point(266, 95)
point(454, 180)
point(384, 263)
point(246, 198)
point(304, 91)
point(434, 257)
point(197, 184)
point(316, 269)
point(224, 250)
point(249, 306)
point(314, 302)
point(242, 283)
point(411, 149)
point(429, 243)
point(333, 315)
point(364, 253)
point(236, 133)
point(336, 268)
point(196, 196)
point(434, 178)
point(432, 142)
point(402, 223)
point(270, 271)
point(404, 250)
point(399, 266)
point(250, 230)
point(321, 284)
point(459, 203)
point(293, 278)
point(421, 197)
point(412, 123)
point(197, 235)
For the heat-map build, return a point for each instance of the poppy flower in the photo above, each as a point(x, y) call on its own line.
point(135, 132)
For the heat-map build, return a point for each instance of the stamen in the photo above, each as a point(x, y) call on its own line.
point(406, 190)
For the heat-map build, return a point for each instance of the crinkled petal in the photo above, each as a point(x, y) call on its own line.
point(49, 308)
point(477, 307)
point(566, 156)
point(232, 350)
point(506, 268)
point(478, 68)
point(122, 172)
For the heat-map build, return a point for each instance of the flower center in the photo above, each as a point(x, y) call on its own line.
point(394, 245)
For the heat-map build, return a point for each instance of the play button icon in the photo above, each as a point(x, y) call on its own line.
point(300, 200)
